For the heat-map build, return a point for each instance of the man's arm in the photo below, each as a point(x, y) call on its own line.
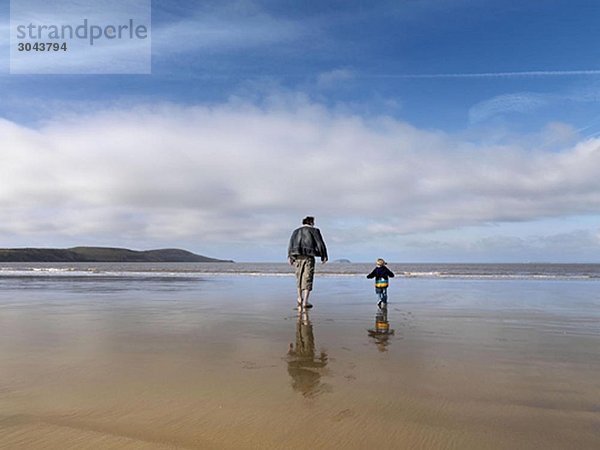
point(291, 258)
point(321, 245)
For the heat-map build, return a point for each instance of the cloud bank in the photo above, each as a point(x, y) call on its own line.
point(237, 172)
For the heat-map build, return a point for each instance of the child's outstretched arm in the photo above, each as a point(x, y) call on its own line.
point(372, 274)
point(389, 273)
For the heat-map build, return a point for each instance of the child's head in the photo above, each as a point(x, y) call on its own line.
point(380, 262)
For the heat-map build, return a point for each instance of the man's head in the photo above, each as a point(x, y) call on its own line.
point(308, 220)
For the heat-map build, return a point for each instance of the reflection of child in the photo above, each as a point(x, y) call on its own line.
point(381, 333)
point(381, 274)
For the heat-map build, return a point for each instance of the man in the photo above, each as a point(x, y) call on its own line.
point(305, 366)
point(306, 243)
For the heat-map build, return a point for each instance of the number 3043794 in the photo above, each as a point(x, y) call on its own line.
point(41, 47)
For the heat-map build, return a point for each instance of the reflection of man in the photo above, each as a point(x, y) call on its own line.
point(306, 242)
point(304, 366)
point(381, 333)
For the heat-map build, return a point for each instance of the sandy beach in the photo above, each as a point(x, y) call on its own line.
point(225, 362)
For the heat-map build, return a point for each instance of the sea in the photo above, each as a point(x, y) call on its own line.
point(538, 271)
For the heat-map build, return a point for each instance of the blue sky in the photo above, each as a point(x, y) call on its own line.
point(414, 130)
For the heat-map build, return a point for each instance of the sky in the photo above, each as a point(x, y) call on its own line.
point(416, 131)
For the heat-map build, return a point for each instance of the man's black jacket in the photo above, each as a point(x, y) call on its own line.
point(308, 241)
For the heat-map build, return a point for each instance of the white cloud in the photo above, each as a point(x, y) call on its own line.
point(529, 102)
point(239, 172)
point(515, 74)
point(330, 78)
point(521, 102)
point(222, 32)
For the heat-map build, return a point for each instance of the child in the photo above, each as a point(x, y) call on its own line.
point(381, 274)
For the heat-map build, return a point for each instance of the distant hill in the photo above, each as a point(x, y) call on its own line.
point(100, 254)
point(342, 261)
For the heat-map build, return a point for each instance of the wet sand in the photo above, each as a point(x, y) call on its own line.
point(225, 363)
